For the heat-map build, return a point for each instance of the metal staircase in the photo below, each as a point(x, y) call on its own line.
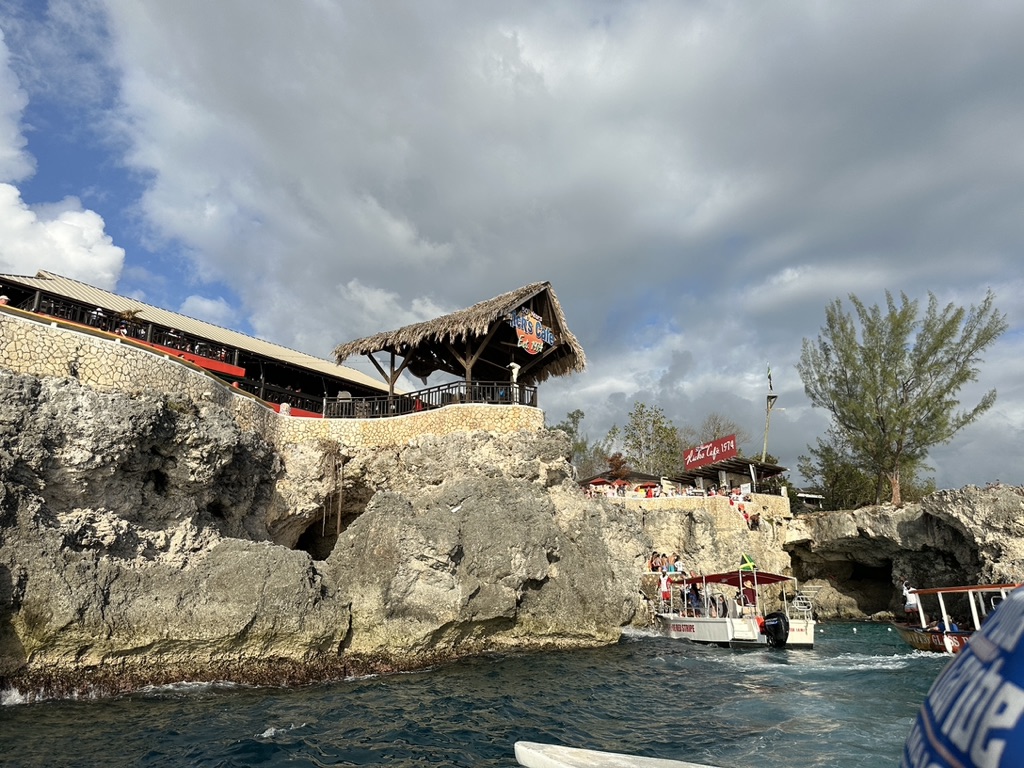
point(804, 600)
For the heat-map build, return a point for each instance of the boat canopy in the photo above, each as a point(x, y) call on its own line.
point(978, 588)
point(737, 577)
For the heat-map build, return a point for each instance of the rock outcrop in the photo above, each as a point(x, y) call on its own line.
point(858, 558)
point(147, 538)
point(150, 537)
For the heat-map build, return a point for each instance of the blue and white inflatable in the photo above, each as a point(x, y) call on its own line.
point(972, 715)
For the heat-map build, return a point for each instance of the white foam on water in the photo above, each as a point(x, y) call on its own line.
point(640, 633)
point(271, 732)
point(11, 697)
point(189, 687)
point(14, 697)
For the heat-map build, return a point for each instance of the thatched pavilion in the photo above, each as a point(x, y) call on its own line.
point(519, 337)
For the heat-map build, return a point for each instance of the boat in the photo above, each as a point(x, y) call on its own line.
point(533, 754)
point(726, 609)
point(944, 633)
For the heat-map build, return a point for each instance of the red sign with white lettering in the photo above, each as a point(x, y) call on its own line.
point(717, 450)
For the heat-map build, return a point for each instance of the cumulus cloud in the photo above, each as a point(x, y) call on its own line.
point(697, 180)
point(217, 311)
point(60, 237)
point(15, 162)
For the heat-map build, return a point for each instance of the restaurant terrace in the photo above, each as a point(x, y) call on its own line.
point(497, 350)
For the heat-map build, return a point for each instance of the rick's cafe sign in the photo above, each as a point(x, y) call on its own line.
point(530, 329)
point(708, 453)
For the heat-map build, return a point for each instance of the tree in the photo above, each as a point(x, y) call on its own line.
point(892, 389)
point(714, 426)
point(578, 443)
point(618, 469)
point(834, 473)
point(652, 443)
point(588, 458)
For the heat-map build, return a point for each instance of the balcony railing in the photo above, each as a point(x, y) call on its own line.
point(487, 392)
point(341, 407)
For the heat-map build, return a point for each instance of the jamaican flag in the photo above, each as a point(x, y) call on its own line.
point(747, 563)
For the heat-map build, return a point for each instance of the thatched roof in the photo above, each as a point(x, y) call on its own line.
point(483, 331)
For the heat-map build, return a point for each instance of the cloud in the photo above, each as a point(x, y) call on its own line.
point(697, 180)
point(15, 163)
point(216, 311)
point(60, 237)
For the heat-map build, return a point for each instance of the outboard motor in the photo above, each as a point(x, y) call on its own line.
point(776, 629)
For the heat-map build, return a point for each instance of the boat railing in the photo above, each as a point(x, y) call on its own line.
point(802, 605)
point(980, 600)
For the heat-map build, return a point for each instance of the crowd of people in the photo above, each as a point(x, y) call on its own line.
point(670, 572)
point(663, 563)
point(640, 491)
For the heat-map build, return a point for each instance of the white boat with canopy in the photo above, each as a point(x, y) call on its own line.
point(726, 609)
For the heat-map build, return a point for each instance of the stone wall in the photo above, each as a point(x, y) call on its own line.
point(109, 363)
point(710, 534)
point(769, 505)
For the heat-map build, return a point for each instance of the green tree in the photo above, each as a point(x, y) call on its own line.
point(651, 442)
point(891, 385)
point(589, 458)
point(832, 471)
point(578, 443)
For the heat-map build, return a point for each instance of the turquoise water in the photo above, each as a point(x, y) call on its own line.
point(848, 702)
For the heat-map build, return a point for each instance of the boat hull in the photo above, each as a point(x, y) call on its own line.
point(732, 632)
point(932, 640)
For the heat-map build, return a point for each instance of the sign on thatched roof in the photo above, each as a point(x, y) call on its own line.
point(525, 327)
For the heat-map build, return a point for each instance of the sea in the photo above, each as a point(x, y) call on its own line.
point(848, 702)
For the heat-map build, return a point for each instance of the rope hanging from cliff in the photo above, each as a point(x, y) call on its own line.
point(341, 497)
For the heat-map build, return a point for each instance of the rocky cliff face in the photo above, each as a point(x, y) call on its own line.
point(145, 539)
point(148, 539)
point(858, 558)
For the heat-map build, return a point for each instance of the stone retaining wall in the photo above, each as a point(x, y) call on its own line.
point(49, 348)
point(701, 528)
point(770, 506)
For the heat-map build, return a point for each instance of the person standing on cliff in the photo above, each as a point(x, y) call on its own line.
point(910, 603)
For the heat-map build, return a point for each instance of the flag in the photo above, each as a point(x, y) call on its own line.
point(770, 377)
point(747, 563)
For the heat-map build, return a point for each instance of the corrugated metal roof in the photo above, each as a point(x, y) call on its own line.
point(90, 295)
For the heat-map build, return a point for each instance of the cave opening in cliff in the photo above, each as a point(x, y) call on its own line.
point(317, 542)
point(157, 480)
point(321, 535)
point(869, 584)
point(863, 572)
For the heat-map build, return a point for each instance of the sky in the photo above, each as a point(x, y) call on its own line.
point(697, 180)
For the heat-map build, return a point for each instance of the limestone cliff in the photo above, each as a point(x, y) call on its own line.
point(149, 537)
point(858, 558)
point(146, 538)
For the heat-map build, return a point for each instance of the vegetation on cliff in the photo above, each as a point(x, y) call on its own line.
point(890, 380)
